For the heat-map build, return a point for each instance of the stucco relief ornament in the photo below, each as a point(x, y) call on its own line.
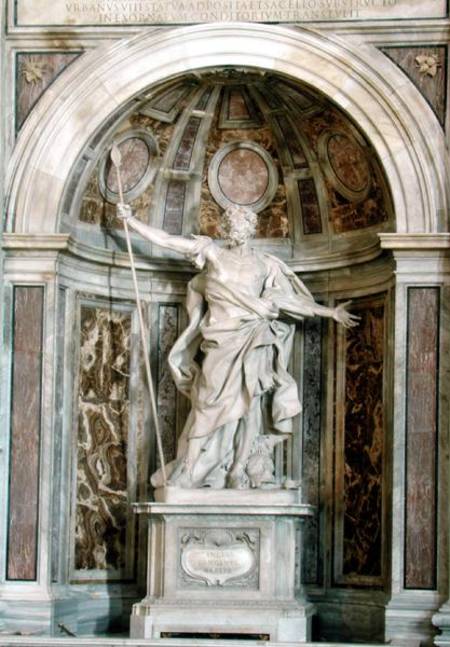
point(33, 70)
point(428, 64)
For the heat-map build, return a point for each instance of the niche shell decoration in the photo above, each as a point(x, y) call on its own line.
point(139, 151)
point(243, 173)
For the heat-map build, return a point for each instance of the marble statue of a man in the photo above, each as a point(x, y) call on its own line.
point(231, 361)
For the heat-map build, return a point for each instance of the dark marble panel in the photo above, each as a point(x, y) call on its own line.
point(291, 142)
point(204, 98)
point(301, 98)
point(312, 222)
point(103, 403)
point(25, 433)
point(183, 155)
point(312, 394)
point(363, 443)
point(167, 394)
point(270, 96)
point(174, 207)
point(426, 67)
point(421, 438)
point(35, 72)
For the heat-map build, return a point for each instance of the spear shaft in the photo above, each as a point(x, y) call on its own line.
point(116, 159)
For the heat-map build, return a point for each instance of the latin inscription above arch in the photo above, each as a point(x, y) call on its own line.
point(389, 110)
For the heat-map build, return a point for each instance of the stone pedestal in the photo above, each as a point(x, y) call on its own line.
point(224, 562)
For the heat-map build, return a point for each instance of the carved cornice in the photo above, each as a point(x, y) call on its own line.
point(35, 242)
point(419, 258)
point(418, 242)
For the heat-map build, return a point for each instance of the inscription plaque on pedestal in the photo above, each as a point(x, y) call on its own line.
point(219, 557)
point(224, 567)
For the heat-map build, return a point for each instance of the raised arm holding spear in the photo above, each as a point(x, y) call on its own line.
point(116, 159)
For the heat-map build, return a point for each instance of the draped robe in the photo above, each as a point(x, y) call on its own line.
point(227, 367)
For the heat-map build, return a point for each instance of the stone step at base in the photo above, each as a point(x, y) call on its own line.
point(43, 641)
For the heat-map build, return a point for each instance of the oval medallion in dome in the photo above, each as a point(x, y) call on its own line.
point(135, 158)
point(243, 176)
point(138, 150)
point(345, 164)
point(243, 173)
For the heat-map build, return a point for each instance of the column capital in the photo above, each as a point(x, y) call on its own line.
point(419, 258)
point(32, 256)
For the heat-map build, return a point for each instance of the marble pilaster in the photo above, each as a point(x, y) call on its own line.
point(32, 602)
point(38, 600)
point(420, 479)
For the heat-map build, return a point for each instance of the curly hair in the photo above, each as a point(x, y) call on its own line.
point(238, 224)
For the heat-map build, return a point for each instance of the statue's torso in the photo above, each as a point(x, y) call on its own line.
point(246, 273)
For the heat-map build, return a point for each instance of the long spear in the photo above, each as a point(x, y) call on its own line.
point(116, 159)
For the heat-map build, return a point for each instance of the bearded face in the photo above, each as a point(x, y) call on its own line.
point(238, 225)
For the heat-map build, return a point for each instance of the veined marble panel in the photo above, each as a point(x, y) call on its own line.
point(102, 438)
point(167, 394)
point(360, 443)
point(160, 130)
point(312, 395)
point(25, 433)
point(426, 67)
point(421, 438)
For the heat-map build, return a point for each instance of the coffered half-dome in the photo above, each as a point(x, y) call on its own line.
point(198, 143)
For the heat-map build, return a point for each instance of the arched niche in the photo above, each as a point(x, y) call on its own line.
point(312, 218)
point(91, 96)
point(389, 110)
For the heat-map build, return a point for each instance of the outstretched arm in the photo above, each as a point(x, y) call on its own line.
point(298, 307)
point(158, 236)
point(339, 314)
point(293, 299)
